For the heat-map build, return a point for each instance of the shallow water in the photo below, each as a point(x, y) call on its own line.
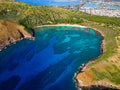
point(50, 61)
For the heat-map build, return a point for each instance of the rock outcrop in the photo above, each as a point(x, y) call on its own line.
point(11, 32)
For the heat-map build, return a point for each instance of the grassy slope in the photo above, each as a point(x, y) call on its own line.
point(100, 70)
point(31, 16)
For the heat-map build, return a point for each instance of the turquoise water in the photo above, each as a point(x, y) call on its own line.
point(50, 61)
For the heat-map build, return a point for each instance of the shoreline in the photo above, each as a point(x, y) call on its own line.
point(75, 25)
point(82, 68)
point(15, 41)
point(32, 37)
point(79, 83)
point(12, 32)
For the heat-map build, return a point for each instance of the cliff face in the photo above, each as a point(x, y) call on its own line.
point(11, 32)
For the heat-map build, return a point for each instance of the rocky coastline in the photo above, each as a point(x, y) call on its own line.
point(12, 33)
point(23, 34)
point(4, 45)
point(83, 67)
point(100, 84)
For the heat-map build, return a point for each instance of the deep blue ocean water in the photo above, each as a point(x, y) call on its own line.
point(50, 61)
point(66, 3)
point(51, 2)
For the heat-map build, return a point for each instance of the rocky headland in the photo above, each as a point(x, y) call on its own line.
point(11, 32)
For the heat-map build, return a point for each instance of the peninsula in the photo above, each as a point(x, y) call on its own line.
point(11, 32)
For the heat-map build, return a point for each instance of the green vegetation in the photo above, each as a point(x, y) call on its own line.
point(31, 16)
point(113, 76)
point(109, 21)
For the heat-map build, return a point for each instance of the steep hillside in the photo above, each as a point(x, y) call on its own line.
point(10, 32)
point(31, 16)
